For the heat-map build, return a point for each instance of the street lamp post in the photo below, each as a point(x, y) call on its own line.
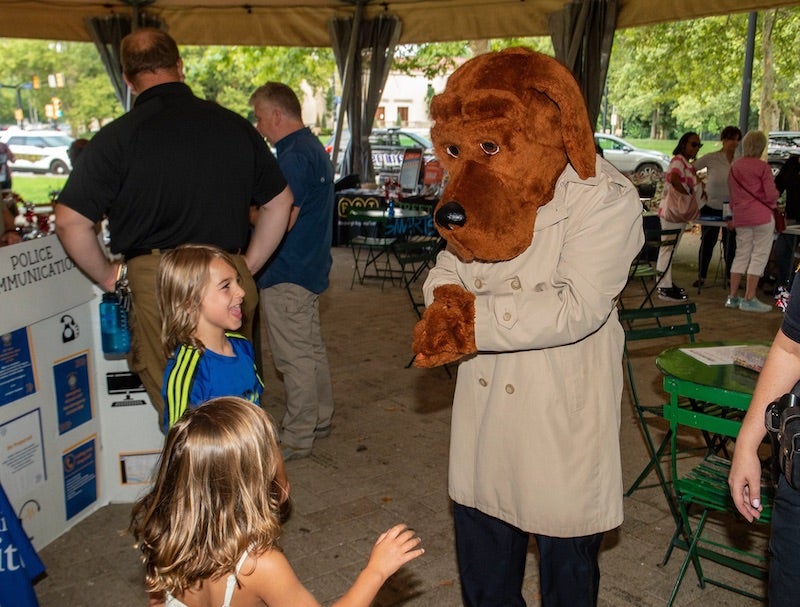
point(18, 114)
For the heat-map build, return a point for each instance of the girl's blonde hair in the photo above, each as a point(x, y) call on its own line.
point(183, 275)
point(211, 499)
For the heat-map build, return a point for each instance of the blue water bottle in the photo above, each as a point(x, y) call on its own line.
point(390, 210)
point(114, 331)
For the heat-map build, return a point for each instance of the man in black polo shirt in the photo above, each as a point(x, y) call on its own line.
point(175, 169)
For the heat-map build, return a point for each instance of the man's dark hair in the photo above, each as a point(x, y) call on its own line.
point(730, 132)
point(146, 50)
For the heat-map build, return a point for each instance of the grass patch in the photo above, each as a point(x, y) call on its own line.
point(36, 188)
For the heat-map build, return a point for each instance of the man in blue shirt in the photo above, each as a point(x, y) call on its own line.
point(297, 273)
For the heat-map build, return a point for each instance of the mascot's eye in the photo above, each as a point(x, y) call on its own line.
point(490, 148)
point(452, 150)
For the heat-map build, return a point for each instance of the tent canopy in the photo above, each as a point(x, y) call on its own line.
point(305, 22)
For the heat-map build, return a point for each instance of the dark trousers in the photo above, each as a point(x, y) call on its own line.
point(784, 547)
point(708, 240)
point(491, 563)
point(784, 259)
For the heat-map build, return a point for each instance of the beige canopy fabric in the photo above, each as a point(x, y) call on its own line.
point(305, 22)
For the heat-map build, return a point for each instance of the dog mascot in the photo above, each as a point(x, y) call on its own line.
point(540, 235)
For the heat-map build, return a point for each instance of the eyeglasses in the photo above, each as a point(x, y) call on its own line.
point(695, 144)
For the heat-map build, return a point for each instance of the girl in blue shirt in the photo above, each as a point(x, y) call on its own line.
point(200, 301)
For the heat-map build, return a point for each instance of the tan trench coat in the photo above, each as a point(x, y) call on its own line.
point(536, 414)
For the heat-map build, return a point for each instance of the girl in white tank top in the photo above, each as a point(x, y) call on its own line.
point(214, 506)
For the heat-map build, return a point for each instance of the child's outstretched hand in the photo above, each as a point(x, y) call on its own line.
point(393, 549)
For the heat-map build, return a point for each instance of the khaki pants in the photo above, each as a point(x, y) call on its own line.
point(292, 316)
point(147, 357)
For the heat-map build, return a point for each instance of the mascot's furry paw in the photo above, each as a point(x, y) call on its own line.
point(446, 332)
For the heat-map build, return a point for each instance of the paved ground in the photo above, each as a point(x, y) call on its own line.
point(386, 462)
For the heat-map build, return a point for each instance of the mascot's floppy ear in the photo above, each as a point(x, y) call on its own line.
point(552, 78)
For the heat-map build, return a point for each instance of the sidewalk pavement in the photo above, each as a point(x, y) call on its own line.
point(386, 462)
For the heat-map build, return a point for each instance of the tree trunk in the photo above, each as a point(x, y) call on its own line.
point(769, 113)
point(654, 124)
point(479, 47)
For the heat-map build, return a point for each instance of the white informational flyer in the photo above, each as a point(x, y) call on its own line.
point(751, 356)
point(717, 355)
point(22, 455)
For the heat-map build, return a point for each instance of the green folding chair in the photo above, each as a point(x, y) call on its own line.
point(660, 324)
point(704, 490)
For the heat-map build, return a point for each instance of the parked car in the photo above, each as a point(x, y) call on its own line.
point(38, 151)
point(781, 145)
point(388, 146)
point(644, 167)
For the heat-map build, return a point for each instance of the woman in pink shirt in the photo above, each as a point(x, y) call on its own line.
point(682, 177)
point(753, 198)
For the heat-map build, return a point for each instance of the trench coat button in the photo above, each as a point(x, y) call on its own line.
point(509, 389)
point(483, 382)
point(478, 283)
point(507, 316)
point(516, 284)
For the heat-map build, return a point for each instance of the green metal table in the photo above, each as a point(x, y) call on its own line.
point(727, 385)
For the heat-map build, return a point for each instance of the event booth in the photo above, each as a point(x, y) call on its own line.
point(77, 430)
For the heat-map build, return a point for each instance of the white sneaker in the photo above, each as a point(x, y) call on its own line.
point(753, 305)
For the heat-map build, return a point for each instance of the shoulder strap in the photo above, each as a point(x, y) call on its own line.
point(746, 189)
point(231, 585)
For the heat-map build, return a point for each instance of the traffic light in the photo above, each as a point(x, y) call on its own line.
point(56, 107)
point(35, 81)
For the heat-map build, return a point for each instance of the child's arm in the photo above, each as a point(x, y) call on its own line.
point(393, 549)
point(276, 583)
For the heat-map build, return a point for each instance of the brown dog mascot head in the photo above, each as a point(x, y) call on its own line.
point(506, 126)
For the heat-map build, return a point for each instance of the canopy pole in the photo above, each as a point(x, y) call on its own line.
point(347, 80)
point(747, 72)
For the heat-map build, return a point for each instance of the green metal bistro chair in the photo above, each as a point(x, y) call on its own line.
point(643, 268)
point(660, 324)
point(372, 252)
point(415, 256)
point(703, 490)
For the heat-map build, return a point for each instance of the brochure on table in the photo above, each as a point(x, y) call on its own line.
point(77, 431)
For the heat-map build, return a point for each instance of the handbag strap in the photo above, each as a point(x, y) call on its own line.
point(746, 189)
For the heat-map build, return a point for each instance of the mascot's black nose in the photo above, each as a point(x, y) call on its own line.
point(451, 214)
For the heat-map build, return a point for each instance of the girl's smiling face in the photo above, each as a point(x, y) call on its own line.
point(221, 306)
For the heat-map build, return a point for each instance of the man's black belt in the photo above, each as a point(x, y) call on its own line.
point(134, 253)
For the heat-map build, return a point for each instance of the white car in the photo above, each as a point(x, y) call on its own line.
point(644, 167)
point(38, 151)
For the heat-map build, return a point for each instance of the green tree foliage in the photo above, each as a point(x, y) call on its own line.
point(441, 58)
point(228, 75)
point(86, 93)
point(674, 77)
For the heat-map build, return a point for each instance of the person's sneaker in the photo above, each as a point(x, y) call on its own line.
point(293, 452)
point(671, 294)
point(754, 305)
point(699, 283)
point(322, 431)
point(733, 301)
